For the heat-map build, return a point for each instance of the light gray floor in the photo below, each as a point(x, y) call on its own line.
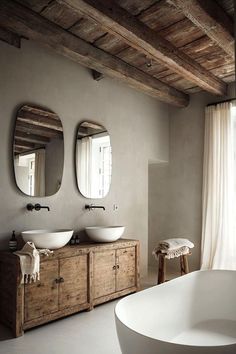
point(84, 333)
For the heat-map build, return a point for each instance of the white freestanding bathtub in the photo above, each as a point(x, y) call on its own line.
point(195, 313)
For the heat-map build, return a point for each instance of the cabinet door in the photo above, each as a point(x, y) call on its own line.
point(104, 271)
point(73, 288)
point(126, 270)
point(41, 297)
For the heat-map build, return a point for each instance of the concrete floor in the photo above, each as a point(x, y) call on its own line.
point(83, 333)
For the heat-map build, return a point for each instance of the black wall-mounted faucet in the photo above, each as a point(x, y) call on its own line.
point(36, 207)
point(91, 207)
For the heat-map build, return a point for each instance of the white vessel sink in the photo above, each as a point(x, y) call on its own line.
point(51, 239)
point(104, 233)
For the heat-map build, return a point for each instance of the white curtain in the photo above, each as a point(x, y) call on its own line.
point(218, 229)
point(39, 173)
point(85, 165)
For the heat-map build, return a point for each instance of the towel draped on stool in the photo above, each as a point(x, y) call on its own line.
point(173, 247)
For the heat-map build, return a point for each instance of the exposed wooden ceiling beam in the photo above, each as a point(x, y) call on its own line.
point(18, 150)
point(17, 18)
point(40, 111)
point(37, 130)
point(26, 145)
point(36, 119)
point(10, 37)
point(92, 125)
point(32, 138)
point(135, 33)
point(211, 19)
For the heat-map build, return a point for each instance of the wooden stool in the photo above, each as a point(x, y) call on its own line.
point(184, 268)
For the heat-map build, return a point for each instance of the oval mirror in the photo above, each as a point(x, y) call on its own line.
point(93, 160)
point(38, 151)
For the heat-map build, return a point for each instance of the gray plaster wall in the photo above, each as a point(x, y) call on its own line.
point(138, 126)
point(175, 188)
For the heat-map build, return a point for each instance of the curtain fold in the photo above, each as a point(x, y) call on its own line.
point(218, 249)
point(85, 165)
point(39, 173)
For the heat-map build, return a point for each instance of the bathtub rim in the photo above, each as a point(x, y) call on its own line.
point(176, 280)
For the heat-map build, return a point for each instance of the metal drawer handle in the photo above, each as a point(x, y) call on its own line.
point(114, 267)
point(117, 266)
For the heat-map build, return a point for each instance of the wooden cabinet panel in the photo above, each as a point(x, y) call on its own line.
point(72, 279)
point(41, 298)
point(104, 273)
point(126, 269)
point(73, 289)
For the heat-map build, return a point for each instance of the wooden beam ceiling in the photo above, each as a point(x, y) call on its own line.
point(41, 112)
point(38, 130)
point(211, 19)
point(122, 24)
point(25, 22)
point(26, 145)
point(38, 120)
point(32, 138)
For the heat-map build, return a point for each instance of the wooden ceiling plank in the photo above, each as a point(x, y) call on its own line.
point(211, 19)
point(26, 144)
point(36, 130)
point(60, 15)
point(87, 29)
point(135, 7)
point(194, 89)
point(224, 71)
point(36, 119)
point(229, 78)
point(32, 138)
point(161, 15)
point(41, 112)
point(36, 5)
point(136, 34)
point(181, 33)
point(111, 44)
point(18, 150)
point(17, 18)
point(228, 6)
point(214, 61)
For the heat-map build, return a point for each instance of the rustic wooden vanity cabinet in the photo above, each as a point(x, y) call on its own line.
point(72, 279)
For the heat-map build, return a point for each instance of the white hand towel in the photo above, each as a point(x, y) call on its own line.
point(170, 254)
point(175, 243)
point(29, 262)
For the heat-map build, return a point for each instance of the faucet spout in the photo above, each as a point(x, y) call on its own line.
point(36, 207)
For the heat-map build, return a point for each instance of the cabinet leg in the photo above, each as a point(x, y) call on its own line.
point(18, 331)
point(91, 307)
point(161, 269)
point(186, 267)
point(184, 264)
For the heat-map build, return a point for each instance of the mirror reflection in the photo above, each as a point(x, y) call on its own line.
point(38, 151)
point(93, 160)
